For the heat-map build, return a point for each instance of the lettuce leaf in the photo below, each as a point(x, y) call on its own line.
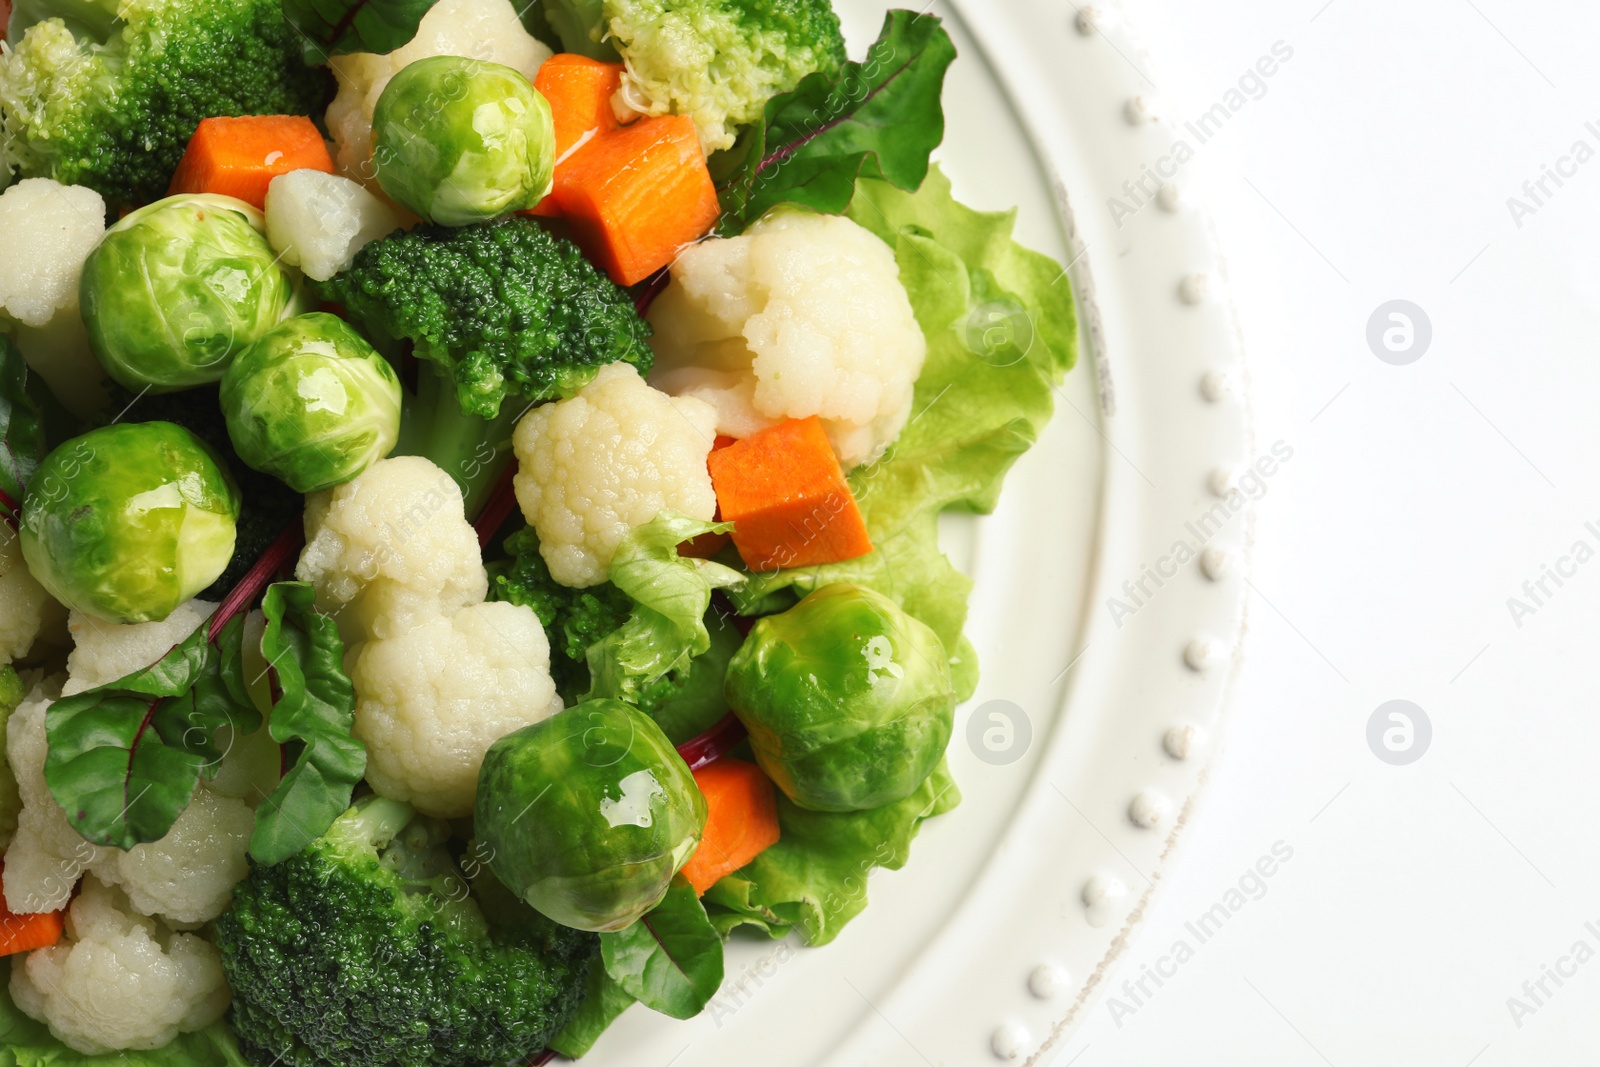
point(671, 594)
point(815, 878)
point(27, 1043)
point(1001, 333)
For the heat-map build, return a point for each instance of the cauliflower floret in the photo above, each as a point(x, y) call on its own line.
point(22, 601)
point(596, 466)
point(47, 855)
point(105, 651)
point(320, 221)
point(487, 30)
point(393, 546)
point(47, 230)
point(188, 876)
point(119, 980)
point(431, 702)
point(803, 314)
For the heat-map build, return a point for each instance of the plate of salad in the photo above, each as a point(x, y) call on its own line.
point(504, 555)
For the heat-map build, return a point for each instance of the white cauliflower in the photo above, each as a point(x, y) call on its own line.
point(320, 221)
point(432, 701)
point(105, 651)
point(390, 549)
point(600, 464)
point(119, 980)
point(23, 601)
point(803, 314)
point(487, 30)
point(46, 856)
point(47, 230)
point(188, 876)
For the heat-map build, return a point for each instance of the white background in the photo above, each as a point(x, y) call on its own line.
point(1377, 165)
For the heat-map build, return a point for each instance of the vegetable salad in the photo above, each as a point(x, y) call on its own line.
point(470, 499)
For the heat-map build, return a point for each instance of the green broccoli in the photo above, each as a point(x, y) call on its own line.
point(718, 61)
point(501, 310)
point(368, 950)
point(105, 96)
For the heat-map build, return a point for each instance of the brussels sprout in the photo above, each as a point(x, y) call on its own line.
point(848, 699)
point(588, 814)
point(178, 288)
point(460, 140)
point(311, 403)
point(129, 521)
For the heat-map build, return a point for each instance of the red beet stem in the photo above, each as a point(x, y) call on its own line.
point(714, 743)
point(501, 501)
point(258, 577)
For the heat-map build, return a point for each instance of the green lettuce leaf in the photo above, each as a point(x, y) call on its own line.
point(880, 118)
point(124, 758)
point(1001, 334)
point(815, 878)
point(27, 1043)
point(314, 716)
point(340, 27)
point(671, 594)
point(670, 959)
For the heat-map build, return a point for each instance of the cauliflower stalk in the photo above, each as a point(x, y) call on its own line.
point(320, 221)
point(487, 30)
point(594, 468)
point(439, 674)
point(47, 230)
point(119, 980)
point(801, 315)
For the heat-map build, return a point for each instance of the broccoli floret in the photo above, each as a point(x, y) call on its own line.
point(110, 98)
point(367, 950)
point(503, 307)
point(718, 61)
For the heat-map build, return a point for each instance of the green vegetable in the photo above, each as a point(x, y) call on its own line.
point(314, 716)
point(695, 701)
point(603, 1003)
point(815, 878)
point(12, 694)
point(311, 403)
point(22, 429)
point(503, 308)
point(129, 521)
point(588, 814)
point(460, 140)
point(366, 949)
point(178, 288)
point(877, 119)
point(670, 960)
point(339, 27)
point(716, 60)
point(954, 453)
point(848, 699)
point(25, 1042)
point(124, 758)
point(109, 97)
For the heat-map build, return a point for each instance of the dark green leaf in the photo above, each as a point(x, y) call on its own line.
point(880, 118)
point(124, 758)
point(603, 1001)
point(670, 960)
point(315, 715)
point(339, 27)
point(22, 429)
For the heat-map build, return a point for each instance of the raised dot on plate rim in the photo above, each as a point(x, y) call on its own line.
point(1149, 809)
point(1215, 385)
point(1137, 111)
point(1221, 481)
point(1048, 980)
point(1181, 739)
point(1008, 1040)
point(1194, 289)
point(1101, 889)
point(1088, 18)
point(1215, 563)
point(1169, 196)
point(1200, 653)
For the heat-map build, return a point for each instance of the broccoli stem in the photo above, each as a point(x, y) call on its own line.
point(372, 821)
point(472, 450)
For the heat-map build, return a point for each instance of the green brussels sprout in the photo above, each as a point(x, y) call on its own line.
point(129, 521)
point(588, 814)
point(848, 700)
point(311, 403)
point(460, 140)
point(177, 288)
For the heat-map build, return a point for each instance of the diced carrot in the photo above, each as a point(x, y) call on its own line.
point(741, 820)
point(579, 90)
point(708, 545)
point(638, 194)
point(787, 497)
point(24, 933)
point(239, 157)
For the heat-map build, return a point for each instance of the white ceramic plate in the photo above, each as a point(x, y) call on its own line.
point(1003, 925)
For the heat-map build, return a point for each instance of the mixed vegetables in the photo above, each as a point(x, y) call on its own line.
point(469, 501)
